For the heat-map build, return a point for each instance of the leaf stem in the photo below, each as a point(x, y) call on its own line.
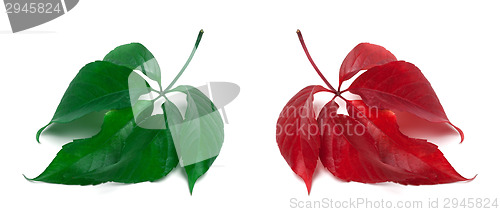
point(200, 34)
point(158, 92)
point(162, 94)
point(314, 64)
point(341, 97)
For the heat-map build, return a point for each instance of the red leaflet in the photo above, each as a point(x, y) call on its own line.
point(400, 86)
point(351, 154)
point(361, 57)
point(366, 146)
point(298, 135)
point(416, 156)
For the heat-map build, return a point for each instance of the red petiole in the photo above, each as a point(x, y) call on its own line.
point(314, 64)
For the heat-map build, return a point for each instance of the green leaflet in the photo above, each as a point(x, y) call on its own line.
point(136, 57)
point(98, 86)
point(120, 152)
point(136, 142)
point(198, 140)
point(103, 85)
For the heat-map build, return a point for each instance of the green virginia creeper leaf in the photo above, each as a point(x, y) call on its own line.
point(121, 152)
point(97, 86)
point(199, 138)
point(144, 135)
point(136, 57)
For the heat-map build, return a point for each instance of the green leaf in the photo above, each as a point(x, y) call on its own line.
point(121, 152)
point(136, 57)
point(198, 140)
point(97, 86)
point(136, 142)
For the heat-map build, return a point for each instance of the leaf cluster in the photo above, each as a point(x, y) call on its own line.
point(366, 145)
point(135, 143)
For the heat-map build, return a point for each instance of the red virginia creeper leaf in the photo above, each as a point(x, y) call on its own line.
point(297, 133)
point(349, 152)
point(400, 85)
point(362, 57)
point(416, 156)
point(366, 146)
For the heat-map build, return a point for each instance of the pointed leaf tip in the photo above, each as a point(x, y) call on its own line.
point(39, 132)
point(191, 187)
point(196, 170)
point(462, 136)
point(28, 179)
point(471, 179)
point(308, 185)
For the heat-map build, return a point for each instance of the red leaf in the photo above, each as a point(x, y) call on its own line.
point(362, 57)
point(416, 156)
point(366, 146)
point(297, 133)
point(350, 153)
point(400, 86)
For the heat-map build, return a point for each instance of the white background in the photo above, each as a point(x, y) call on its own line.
point(253, 44)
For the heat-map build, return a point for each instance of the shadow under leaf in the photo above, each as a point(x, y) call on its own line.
point(84, 127)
